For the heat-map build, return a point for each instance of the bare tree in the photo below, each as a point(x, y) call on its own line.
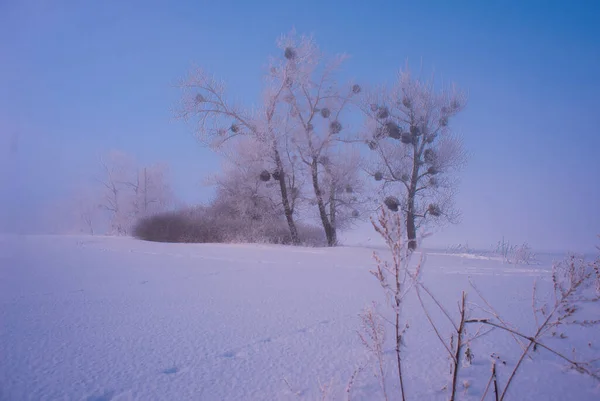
point(316, 103)
point(116, 168)
point(87, 211)
point(150, 191)
point(219, 120)
point(79, 213)
point(129, 192)
point(417, 156)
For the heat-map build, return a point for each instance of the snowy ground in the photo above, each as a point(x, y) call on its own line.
point(94, 318)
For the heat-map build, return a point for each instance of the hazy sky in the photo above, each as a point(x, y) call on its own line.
point(78, 78)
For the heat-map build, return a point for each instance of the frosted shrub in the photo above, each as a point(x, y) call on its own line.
point(220, 225)
point(515, 254)
point(523, 254)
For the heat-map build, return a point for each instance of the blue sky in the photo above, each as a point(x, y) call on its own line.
point(78, 78)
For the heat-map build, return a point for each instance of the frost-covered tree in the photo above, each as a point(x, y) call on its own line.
point(78, 213)
point(129, 192)
point(219, 120)
point(149, 190)
point(415, 154)
point(116, 168)
point(315, 104)
point(87, 212)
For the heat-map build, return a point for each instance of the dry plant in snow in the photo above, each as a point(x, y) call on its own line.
point(575, 285)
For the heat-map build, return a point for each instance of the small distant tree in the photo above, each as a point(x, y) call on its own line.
point(416, 155)
point(78, 213)
point(116, 168)
point(149, 190)
point(128, 192)
point(88, 212)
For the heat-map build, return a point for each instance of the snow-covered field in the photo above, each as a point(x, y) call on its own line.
point(101, 318)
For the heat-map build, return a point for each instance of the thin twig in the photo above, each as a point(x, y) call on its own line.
point(533, 340)
point(351, 381)
point(495, 376)
point(487, 386)
point(459, 347)
point(435, 329)
point(495, 313)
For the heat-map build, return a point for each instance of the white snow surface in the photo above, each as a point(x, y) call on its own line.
point(105, 318)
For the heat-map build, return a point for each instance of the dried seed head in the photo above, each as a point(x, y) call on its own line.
point(378, 176)
point(356, 88)
point(325, 112)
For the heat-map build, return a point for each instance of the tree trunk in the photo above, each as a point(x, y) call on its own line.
point(287, 209)
point(145, 193)
point(332, 208)
point(411, 229)
point(329, 229)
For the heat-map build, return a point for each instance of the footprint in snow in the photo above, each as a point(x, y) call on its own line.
point(228, 354)
point(106, 396)
point(171, 371)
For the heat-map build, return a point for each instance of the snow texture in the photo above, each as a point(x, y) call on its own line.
point(106, 318)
